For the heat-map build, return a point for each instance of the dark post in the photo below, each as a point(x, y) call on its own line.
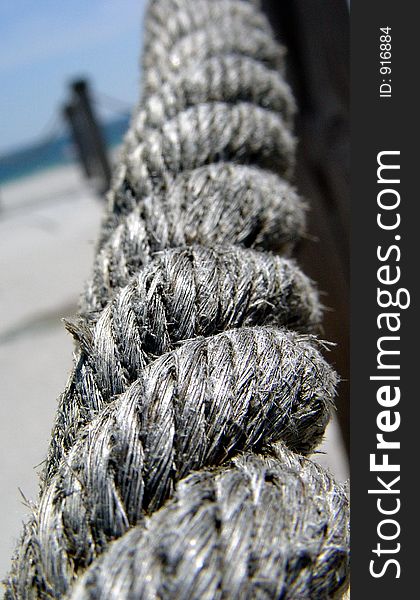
point(71, 116)
point(316, 35)
point(88, 136)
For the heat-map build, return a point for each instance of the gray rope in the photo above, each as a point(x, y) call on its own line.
point(250, 526)
point(176, 465)
point(181, 294)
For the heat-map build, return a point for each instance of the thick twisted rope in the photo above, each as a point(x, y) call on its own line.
point(176, 467)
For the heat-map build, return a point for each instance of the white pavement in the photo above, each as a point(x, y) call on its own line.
point(48, 225)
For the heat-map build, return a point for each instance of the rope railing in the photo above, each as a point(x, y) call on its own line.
point(178, 466)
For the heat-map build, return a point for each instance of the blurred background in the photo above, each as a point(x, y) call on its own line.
point(70, 79)
point(49, 210)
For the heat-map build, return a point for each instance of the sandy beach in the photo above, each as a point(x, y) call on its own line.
point(48, 226)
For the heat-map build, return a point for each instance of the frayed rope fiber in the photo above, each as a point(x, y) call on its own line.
point(178, 463)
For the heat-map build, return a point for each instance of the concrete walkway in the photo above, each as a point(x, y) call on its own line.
point(48, 225)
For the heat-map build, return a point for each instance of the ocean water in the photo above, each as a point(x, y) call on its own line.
point(53, 152)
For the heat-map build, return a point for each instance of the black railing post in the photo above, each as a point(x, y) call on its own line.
point(87, 136)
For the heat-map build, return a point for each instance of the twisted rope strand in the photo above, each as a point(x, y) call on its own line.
point(220, 204)
point(251, 529)
point(176, 468)
point(181, 294)
point(196, 406)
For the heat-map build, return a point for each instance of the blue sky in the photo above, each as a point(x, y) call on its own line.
point(46, 43)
